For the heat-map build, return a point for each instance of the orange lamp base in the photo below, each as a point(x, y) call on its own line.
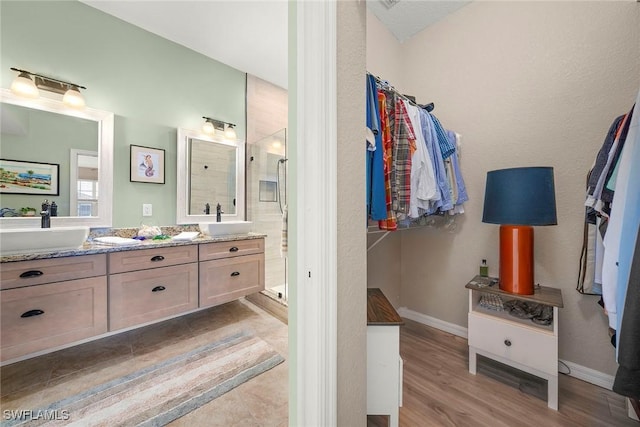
point(516, 259)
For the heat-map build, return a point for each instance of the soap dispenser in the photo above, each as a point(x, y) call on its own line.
point(484, 268)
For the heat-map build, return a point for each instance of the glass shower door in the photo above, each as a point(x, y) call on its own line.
point(266, 204)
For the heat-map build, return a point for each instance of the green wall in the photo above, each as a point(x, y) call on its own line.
point(152, 85)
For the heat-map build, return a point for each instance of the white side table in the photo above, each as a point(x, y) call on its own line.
point(516, 342)
point(384, 365)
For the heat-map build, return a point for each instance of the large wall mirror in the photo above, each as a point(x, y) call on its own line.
point(74, 148)
point(210, 172)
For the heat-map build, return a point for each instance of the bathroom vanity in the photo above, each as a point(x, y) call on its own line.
point(54, 300)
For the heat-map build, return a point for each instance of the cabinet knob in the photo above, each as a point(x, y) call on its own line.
point(233, 249)
point(158, 289)
point(157, 258)
point(31, 273)
point(32, 313)
point(235, 273)
point(507, 342)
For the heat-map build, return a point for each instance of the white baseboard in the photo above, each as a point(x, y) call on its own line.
point(452, 328)
point(577, 371)
point(589, 375)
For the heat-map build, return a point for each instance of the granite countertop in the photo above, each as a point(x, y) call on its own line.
point(90, 248)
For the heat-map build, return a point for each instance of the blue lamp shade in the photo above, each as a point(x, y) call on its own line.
point(520, 196)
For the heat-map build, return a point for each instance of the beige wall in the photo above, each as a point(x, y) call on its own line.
point(525, 83)
point(384, 59)
point(267, 108)
point(351, 256)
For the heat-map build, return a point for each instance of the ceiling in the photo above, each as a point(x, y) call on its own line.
point(251, 36)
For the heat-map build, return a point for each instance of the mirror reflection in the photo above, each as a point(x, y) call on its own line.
point(212, 177)
point(49, 151)
point(210, 172)
point(33, 137)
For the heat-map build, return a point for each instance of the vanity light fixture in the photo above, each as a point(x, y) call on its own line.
point(210, 127)
point(24, 86)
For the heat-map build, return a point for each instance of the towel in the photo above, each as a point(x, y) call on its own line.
point(186, 235)
point(116, 241)
point(285, 226)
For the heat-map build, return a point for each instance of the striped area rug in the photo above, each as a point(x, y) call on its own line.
point(161, 393)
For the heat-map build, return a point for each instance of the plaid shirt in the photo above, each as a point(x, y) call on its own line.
point(387, 144)
point(404, 141)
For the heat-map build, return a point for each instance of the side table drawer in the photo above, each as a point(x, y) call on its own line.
point(529, 346)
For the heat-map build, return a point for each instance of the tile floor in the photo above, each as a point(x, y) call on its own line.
point(261, 401)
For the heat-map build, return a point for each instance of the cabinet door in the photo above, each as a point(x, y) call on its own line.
point(220, 250)
point(120, 262)
point(45, 316)
point(40, 271)
point(227, 279)
point(147, 295)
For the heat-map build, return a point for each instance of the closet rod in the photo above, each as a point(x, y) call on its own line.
point(385, 84)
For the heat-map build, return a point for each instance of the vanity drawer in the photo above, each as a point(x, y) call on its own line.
point(143, 296)
point(529, 346)
point(27, 273)
point(141, 259)
point(45, 316)
point(234, 248)
point(227, 279)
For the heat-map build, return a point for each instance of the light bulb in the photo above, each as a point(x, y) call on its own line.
point(24, 86)
point(208, 128)
point(230, 133)
point(73, 98)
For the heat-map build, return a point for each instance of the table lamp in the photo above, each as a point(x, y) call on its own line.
point(518, 199)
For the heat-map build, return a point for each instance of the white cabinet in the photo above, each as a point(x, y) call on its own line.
point(384, 365)
point(516, 342)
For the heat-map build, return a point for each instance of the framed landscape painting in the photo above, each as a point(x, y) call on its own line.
point(35, 178)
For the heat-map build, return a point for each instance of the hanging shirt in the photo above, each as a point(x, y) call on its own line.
point(446, 147)
point(404, 147)
point(594, 200)
point(423, 181)
point(623, 224)
point(389, 223)
point(429, 132)
point(376, 203)
point(462, 189)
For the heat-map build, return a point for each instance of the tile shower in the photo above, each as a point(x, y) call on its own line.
point(266, 201)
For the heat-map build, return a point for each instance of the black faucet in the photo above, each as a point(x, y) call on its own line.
point(45, 215)
point(207, 209)
point(219, 213)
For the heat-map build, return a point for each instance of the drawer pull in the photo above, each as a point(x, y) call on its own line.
point(31, 273)
point(32, 313)
point(507, 343)
point(233, 249)
point(158, 289)
point(157, 258)
point(235, 273)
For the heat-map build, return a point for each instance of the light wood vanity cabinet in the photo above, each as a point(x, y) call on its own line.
point(151, 284)
point(56, 302)
point(230, 270)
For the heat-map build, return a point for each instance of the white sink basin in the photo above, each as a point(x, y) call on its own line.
point(224, 228)
point(33, 240)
